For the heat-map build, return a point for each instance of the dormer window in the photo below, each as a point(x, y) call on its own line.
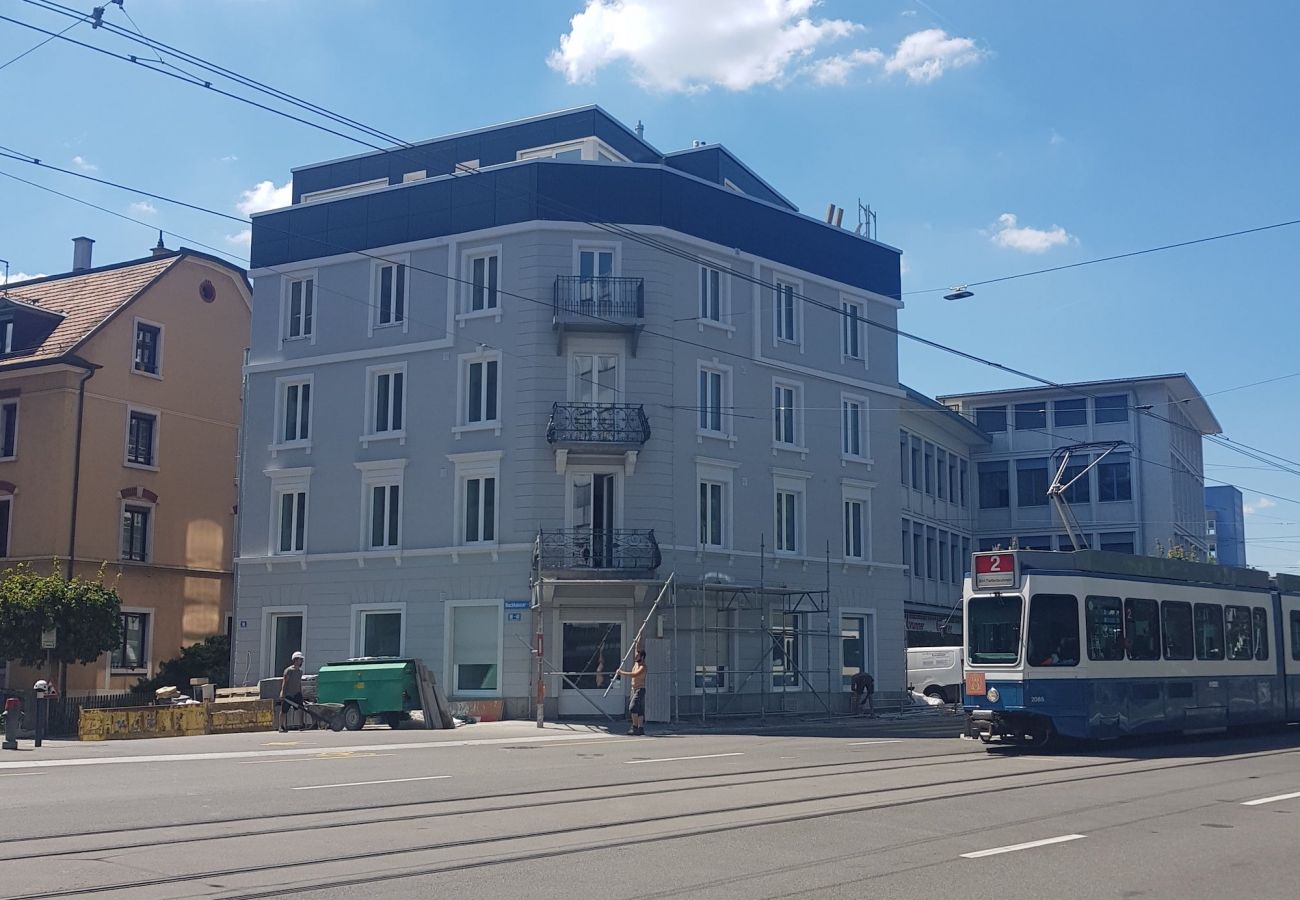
point(7, 336)
point(591, 148)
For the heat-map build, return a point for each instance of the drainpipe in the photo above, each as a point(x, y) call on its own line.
point(90, 368)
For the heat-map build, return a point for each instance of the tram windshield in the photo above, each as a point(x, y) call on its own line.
point(994, 629)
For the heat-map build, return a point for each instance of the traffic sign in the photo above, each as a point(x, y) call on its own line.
point(49, 639)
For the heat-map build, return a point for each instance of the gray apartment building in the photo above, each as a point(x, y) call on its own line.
point(509, 387)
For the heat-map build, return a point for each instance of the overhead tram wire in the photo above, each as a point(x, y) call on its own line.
point(41, 44)
point(608, 227)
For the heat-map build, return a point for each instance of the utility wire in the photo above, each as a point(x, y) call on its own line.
point(38, 46)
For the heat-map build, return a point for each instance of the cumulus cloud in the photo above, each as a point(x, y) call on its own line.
point(143, 208)
point(836, 69)
point(265, 195)
point(1259, 504)
point(242, 238)
point(1006, 232)
point(15, 277)
point(84, 165)
point(925, 55)
point(230, 158)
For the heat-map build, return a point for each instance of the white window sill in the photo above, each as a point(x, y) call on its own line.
point(789, 448)
point(494, 313)
point(475, 695)
point(845, 359)
point(13, 458)
point(701, 434)
point(862, 460)
point(458, 430)
point(398, 323)
point(299, 339)
point(140, 671)
point(289, 446)
point(368, 439)
point(789, 342)
point(133, 562)
point(714, 323)
point(156, 376)
point(134, 465)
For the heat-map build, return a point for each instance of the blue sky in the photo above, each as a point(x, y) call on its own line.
point(992, 138)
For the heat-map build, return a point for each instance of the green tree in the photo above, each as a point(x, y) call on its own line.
point(208, 659)
point(87, 616)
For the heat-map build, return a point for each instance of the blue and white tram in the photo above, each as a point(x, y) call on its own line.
point(1097, 645)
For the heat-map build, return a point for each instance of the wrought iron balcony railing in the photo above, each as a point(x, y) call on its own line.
point(598, 301)
point(598, 550)
point(598, 423)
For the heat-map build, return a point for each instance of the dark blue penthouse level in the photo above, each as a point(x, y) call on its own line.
point(578, 165)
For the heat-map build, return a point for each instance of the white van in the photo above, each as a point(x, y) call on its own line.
point(936, 671)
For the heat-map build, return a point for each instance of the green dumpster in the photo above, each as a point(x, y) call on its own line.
point(382, 687)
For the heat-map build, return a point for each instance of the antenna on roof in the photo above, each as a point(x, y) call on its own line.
point(4, 286)
point(640, 129)
point(866, 221)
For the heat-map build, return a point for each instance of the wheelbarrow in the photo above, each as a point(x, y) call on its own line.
point(323, 715)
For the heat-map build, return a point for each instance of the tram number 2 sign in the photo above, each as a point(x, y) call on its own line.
point(995, 571)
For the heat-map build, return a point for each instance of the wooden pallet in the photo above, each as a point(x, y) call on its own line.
point(437, 712)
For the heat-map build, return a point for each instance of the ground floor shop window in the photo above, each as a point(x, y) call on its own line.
point(786, 639)
point(713, 650)
point(476, 648)
point(855, 635)
point(380, 632)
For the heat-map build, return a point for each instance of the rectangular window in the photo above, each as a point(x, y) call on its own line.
point(140, 438)
point(1176, 618)
point(851, 344)
point(1295, 634)
point(135, 533)
point(710, 294)
point(480, 510)
point(1113, 408)
point(481, 398)
point(918, 471)
point(130, 652)
point(931, 560)
point(388, 402)
point(381, 633)
point(854, 648)
point(1080, 491)
point(907, 543)
point(1105, 623)
point(1070, 412)
point(1209, 631)
point(852, 420)
point(994, 485)
point(1209, 527)
point(952, 478)
point(783, 414)
point(385, 515)
point(929, 468)
point(944, 558)
point(1142, 628)
point(390, 294)
point(1239, 628)
point(1117, 542)
point(787, 519)
point(292, 521)
point(713, 650)
point(993, 638)
point(148, 348)
point(787, 318)
point(963, 480)
point(904, 474)
point(296, 403)
point(302, 309)
point(1053, 630)
point(476, 648)
point(1031, 416)
point(1113, 478)
point(6, 335)
point(941, 473)
point(484, 272)
point(855, 546)
point(712, 498)
point(918, 550)
point(1260, 619)
point(8, 429)
point(991, 419)
point(710, 400)
point(1031, 482)
point(6, 510)
point(786, 650)
point(957, 568)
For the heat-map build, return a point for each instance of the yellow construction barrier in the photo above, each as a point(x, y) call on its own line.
point(174, 721)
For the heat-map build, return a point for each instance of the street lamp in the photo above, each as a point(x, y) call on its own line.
point(959, 293)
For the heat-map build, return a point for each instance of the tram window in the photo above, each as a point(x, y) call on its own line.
point(1053, 630)
point(1209, 631)
point(1142, 627)
point(1105, 620)
point(1238, 627)
point(1177, 620)
point(994, 624)
point(1295, 634)
point(1261, 633)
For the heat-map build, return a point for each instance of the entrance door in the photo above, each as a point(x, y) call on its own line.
point(590, 654)
point(593, 519)
point(286, 637)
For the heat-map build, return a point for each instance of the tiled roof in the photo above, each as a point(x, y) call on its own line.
point(84, 299)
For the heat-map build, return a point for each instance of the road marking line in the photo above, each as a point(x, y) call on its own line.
point(637, 762)
point(1264, 800)
point(870, 743)
point(1026, 846)
point(321, 787)
point(324, 755)
point(20, 774)
point(577, 742)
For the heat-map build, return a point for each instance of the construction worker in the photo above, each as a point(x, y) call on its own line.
point(636, 697)
point(291, 688)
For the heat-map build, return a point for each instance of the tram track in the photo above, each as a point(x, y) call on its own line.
point(963, 789)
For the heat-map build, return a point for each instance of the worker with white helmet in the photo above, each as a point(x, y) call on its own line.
point(291, 688)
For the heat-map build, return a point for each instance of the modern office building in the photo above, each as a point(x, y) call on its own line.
point(507, 385)
point(1225, 525)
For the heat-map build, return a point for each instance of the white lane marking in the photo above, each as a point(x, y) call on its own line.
point(1025, 846)
point(1263, 800)
point(638, 762)
point(872, 743)
point(321, 787)
point(20, 774)
point(585, 741)
point(324, 755)
point(298, 751)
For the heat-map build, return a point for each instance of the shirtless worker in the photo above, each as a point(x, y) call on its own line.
point(636, 699)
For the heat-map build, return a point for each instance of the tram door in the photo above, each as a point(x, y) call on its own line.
point(1291, 653)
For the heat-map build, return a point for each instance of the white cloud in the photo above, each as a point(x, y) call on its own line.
point(242, 238)
point(16, 277)
point(836, 69)
point(925, 55)
point(81, 163)
point(143, 208)
point(1056, 138)
point(1250, 507)
point(230, 158)
point(1007, 233)
point(908, 12)
point(689, 46)
point(265, 195)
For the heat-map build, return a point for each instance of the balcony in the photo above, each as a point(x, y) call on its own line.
point(605, 425)
point(594, 552)
point(598, 303)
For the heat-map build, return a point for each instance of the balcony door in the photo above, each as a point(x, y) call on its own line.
point(592, 516)
point(595, 289)
point(594, 378)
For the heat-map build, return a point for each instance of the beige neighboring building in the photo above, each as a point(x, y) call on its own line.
point(138, 365)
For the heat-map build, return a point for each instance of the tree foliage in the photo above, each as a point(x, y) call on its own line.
point(209, 659)
point(86, 614)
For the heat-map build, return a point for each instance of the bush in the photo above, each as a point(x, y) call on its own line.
point(209, 659)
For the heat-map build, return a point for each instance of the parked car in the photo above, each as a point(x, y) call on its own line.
point(936, 671)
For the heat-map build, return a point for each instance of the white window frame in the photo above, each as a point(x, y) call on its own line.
point(730, 637)
point(571, 471)
point(780, 282)
point(868, 615)
point(357, 637)
point(344, 190)
point(149, 529)
point(381, 473)
point(15, 402)
point(467, 259)
point(861, 323)
point(150, 628)
point(449, 643)
point(864, 429)
point(721, 472)
point(368, 434)
point(7, 342)
point(6, 549)
point(485, 464)
point(286, 305)
point(289, 481)
point(615, 247)
point(723, 321)
point(157, 438)
point(162, 343)
point(282, 386)
point(801, 638)
point(376, 267)
point(796, 388)
point(463, 423)
point(725, 418)
point(594, 348)
point(853, 491)
point(796, 483)
point(591, 147)
point(269, 614)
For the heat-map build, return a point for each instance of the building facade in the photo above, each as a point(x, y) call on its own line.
point(505, 386)
point(120, 394)
point(1225, 525)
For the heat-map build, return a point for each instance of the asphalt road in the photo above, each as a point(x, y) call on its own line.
point(875, 809)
